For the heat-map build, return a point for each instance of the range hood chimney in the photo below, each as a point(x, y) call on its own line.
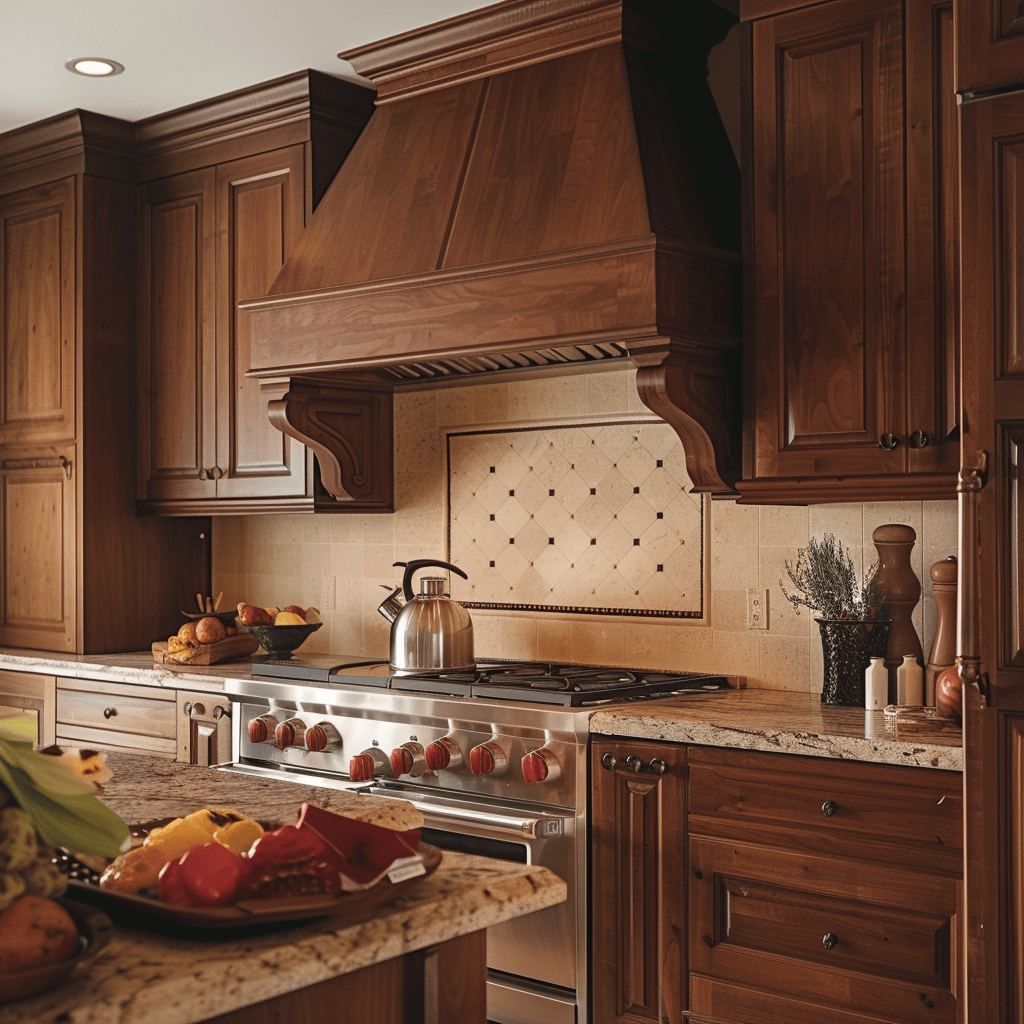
point(544, 186)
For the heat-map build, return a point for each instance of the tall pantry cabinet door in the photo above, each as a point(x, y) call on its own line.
point(37, 314)
point(176, 335)
point(260, 215)
point(38, 548)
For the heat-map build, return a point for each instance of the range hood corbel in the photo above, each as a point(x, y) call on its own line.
point(543, 183)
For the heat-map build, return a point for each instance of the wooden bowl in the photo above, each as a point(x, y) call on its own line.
point(94, 931)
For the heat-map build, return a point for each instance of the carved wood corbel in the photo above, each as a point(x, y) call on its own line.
point(696, 391)
point(348, 425)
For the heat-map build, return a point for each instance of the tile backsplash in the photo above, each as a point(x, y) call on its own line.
point(285, 559)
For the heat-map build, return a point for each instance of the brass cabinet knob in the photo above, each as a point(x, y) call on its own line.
point(216, 472)
point(609, 761)
point(888, 441)
point(919, 439)
point(203, 474)
point(109, 712)
point(830, 941)
point(829, 807)
point(657, 766)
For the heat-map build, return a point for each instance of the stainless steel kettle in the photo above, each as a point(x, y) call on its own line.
point(430, 632)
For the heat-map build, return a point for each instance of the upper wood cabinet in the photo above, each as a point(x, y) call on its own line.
point(990, 45)
point(79, 572)
point(211, 235)
point(851, 243)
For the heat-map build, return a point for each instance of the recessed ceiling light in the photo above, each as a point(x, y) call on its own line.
point(94, 67)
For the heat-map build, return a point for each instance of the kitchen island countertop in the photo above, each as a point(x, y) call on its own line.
point(773, 720)
point(144, 977)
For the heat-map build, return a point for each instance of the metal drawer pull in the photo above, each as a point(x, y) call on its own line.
point(609, 761)
point(830, 941)
point(657, 766)
point(888, 442)
point(109, 712)
point(829, 807)
point(920, 439)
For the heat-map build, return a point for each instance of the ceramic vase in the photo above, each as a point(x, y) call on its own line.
point(847, 646)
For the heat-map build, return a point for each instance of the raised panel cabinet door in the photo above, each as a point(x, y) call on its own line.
point(37, 314)
point(990, 48)
point(829, 287)
point(638, 882)
point(176, 329)
point(38, 546)
point(260, 214)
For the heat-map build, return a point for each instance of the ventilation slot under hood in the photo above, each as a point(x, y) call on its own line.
point(544, 186)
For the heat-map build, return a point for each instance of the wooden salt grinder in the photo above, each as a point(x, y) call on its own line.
point(898, 582)
point(943, 652)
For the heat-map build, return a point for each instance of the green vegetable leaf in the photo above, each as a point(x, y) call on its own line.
point(63, 808)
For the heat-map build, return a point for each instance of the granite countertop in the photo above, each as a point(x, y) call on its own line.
point(149, 978)
point(773, 720)
point(749, 718)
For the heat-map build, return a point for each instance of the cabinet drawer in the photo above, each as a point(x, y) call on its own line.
point(839, 802)
point(116, 714)
point(867, 937)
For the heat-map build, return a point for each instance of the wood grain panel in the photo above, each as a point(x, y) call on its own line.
point(37, 538)
point(176, 336)
point(260, 215)
point(36, 695)
point(1009, 342)
point(760, 916)
point(574, 114)
point(991, 45)
point(637, 882)
point(387, 212)
point(1011, 579)
point(118, 709)
point(37, 314)
point(922, 809)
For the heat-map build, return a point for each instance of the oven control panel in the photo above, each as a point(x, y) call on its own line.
point(502, 760)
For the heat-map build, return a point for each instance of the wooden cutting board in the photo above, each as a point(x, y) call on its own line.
point(231, 648)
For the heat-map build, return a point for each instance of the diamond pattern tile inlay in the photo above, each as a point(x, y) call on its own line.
point(595, 519)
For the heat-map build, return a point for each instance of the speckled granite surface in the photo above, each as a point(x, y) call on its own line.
point(773, 720)
point(143, 977)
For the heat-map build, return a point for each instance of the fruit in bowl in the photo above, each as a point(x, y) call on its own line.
point(280, 641)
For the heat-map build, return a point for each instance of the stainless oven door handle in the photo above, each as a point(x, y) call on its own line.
point(529, 828)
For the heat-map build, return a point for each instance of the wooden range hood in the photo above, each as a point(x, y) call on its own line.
point(544, 185)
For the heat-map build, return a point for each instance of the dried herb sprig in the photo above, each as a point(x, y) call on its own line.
point(826, 582)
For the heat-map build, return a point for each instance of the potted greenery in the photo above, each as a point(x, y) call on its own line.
point(825, 581)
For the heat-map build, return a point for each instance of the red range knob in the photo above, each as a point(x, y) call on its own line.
point(408, 759)
point(361, 768)
point(488, 759)
point(291, 733)
point(541, 766)
point(262, 729)
point(322, 736)
point(443, 753)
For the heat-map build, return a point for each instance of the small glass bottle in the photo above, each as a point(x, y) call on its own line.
point(910, 681)
point(876, 685)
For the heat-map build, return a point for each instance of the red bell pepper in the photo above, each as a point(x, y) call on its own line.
point(205, 876)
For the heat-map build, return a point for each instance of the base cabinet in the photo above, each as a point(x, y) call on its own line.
point(738, 887)
point(638, 877)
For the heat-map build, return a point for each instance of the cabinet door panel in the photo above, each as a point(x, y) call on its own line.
point(260, 215)
point(37, 315)
point(177, 379)
point(638, 885)
point(990, 51)
point(829, 287)
point(38, 543)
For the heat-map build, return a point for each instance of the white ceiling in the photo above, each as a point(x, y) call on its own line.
point(182, 51)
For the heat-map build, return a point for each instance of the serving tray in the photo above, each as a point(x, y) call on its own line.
point(231, 648)
point(150, 914)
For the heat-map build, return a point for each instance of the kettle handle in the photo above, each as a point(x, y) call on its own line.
point(422, 563)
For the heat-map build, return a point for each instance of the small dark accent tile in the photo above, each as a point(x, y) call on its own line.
point(492, 469)
point(511, 494)
point(593, 540)
point(492, 565)
point(636, 490)
point(659, 463)
point(661, 568)
point(593, 490)
point(661, 515)
point(551, 492)
point(551, 540)
point(636, 542)
point(492, 516)
point(511, 540)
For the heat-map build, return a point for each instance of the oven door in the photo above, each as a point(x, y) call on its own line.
point(532, 962)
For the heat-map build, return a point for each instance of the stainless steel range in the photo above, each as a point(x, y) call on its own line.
point(494, 758)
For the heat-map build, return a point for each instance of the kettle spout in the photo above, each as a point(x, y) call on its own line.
point(392, 604)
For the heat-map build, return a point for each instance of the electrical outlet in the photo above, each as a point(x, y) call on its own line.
point(327, 594)
point(757, 609)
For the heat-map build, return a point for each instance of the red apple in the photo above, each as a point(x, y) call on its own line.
point(296, 610)
point(251, 615)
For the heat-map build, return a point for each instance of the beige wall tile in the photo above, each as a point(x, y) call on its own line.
point(728, 609)
point(738, 654)
point(784, 663)
point(598, 643)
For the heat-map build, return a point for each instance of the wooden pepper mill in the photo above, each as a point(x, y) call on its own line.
point(943, 652)
point(901, 588)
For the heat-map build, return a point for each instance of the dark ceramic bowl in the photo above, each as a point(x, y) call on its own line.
point(280, 641)
point(94, 932)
